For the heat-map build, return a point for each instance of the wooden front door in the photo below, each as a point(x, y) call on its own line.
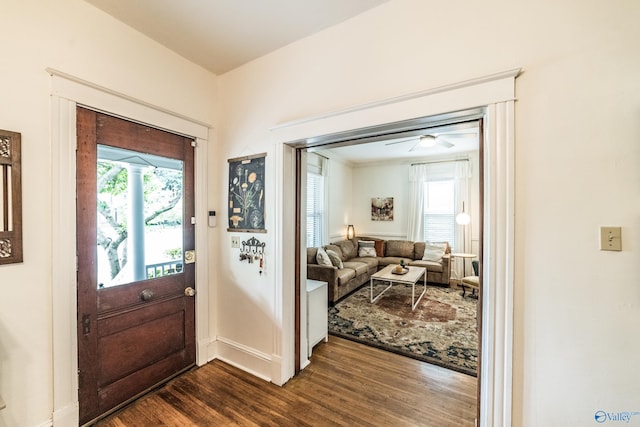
point(135, 201)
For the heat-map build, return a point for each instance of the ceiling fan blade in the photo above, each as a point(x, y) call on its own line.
point(416, 145)
point(467, 135)
point(444, 143)
point(401, 140)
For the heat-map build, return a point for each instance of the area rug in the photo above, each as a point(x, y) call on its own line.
point(441, 330)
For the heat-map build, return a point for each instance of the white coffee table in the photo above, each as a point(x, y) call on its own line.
point(409, 278)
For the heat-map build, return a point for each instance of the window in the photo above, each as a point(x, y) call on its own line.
point(439, 212)
point(315, 209)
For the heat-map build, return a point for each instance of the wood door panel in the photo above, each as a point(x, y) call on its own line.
point(123, 390)
point(130, 294)
point(112, 323)
point(120, 133)
point(121, 354)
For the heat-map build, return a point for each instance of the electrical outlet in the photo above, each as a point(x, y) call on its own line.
point(235, 242)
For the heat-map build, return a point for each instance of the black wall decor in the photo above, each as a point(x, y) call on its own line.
point(247, 194)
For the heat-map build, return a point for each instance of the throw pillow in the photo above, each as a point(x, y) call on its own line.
point(322, 258)
point(434, 251)
point(335, 258)
point(379, 245)
point(366, 248)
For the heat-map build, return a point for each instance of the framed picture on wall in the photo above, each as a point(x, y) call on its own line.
point(247, 194)
point(382, 209)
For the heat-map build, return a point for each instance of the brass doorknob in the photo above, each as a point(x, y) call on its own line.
point(190, 292)
point(146, 295)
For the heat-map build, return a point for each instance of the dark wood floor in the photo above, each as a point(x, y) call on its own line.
point(347, 384)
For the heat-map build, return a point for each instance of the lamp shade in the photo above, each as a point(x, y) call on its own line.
point(351, 232)
point(463, 218)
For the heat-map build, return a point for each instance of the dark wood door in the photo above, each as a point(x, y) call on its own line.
point(136, 325)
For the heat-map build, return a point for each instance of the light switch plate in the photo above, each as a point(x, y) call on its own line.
point(610, 238)
point(235, 242)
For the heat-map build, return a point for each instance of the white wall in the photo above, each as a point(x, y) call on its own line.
point(381, 180)
point(576, 135)
point(576, 169)
point(76, 38)
point(391, 179)
point(340, 195)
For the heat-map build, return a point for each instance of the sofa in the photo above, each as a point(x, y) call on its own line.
point(352, 270)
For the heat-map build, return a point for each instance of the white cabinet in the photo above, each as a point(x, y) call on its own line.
point(317, 320)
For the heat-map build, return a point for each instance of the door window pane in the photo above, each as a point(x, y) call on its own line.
point(140, 216)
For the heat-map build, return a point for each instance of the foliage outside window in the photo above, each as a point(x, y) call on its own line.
point(162, 216)
point(10, 198)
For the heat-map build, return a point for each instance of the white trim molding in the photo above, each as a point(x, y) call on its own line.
point(66, 93)
point(494, 96)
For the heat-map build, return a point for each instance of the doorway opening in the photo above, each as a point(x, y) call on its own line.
point(401, 139)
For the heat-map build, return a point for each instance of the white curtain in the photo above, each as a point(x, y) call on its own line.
point(460, 172)
point(462, 175)
point(417, 178)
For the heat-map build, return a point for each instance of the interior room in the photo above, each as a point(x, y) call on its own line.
point(441, 164)
point(556, 86)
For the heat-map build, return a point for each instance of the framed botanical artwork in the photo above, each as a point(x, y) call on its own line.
point(247, 194)
point(382, 209)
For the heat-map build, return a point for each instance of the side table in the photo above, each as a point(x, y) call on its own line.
point(317, 316)
point(464, 257)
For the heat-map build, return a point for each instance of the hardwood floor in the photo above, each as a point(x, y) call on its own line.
point(347, 384)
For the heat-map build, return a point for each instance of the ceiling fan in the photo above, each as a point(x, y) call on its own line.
point(431, 140)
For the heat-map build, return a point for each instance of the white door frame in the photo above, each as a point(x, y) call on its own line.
point(68, 92)
point(496, 95)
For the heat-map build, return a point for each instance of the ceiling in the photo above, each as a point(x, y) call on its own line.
point(450, 143)
point(221, 35)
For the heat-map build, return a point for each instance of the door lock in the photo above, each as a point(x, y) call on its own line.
point(190, 292)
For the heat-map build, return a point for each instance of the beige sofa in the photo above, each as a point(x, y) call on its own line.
point(356, 271)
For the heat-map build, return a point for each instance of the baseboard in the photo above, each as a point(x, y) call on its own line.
point(68, 416)
point(206, 351)
point(242, 357)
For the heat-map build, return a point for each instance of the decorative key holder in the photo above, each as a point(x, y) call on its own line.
point(253, 250)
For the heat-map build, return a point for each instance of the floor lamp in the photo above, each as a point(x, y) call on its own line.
point(463, 219)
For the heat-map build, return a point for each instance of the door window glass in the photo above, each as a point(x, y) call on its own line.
point(140, 216)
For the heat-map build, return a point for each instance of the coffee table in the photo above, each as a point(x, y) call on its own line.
point(411, 277)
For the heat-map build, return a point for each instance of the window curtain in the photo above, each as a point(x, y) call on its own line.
point(462, 175)
point(460, 172)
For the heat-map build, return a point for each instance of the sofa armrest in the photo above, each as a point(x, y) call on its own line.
point(325, 273)
point(446, 266)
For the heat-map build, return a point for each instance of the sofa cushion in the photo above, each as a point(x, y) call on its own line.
point(366, 248)
point(348, 247)
point(334, 248)
point(384, 261)
point(399, 248)
point(322, 258)
point(429, 265)
point(335, 258)
point(371, 262)
point(311, 255)
point(345, 274)
point(359, 267)
point(434, 251)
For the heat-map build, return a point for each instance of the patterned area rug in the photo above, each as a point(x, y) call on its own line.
point(441, 330)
